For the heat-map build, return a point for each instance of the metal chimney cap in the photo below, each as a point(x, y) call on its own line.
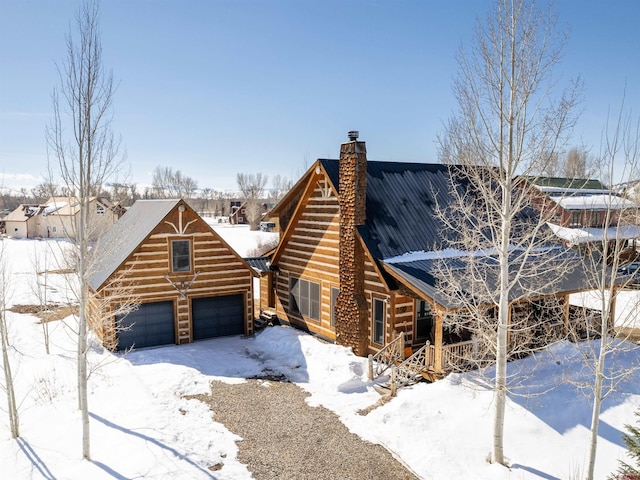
point(353, 135)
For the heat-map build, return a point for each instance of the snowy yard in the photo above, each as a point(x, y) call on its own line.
point(143, 427)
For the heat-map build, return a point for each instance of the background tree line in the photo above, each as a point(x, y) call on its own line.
point(167, 183)
point(576, 162)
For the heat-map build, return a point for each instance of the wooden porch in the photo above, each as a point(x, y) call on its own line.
point(428, 362)
point(432, 362)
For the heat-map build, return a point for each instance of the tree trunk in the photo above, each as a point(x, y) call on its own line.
point(595, 414)
point(500, 386)
point(607, 310)
point(14, 422)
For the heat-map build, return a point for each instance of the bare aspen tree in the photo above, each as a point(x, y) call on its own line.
point(39, 287)
point(620, 155)
point(86, 152)
point(169, 184)
point(580, 163)
point(14, 419)
point(251, 186)
point(279, 187)
point(507, 124)
point(577, 163)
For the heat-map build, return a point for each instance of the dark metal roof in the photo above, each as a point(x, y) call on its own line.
point(259, 264)
point(424, 275)
point(569, 183)
point(401, 200)
point(401, 218)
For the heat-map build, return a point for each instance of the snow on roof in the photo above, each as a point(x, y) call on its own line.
point(53, 207)
point(426, 255)
point(576, 236)
point(593, 202)
point(450, 253)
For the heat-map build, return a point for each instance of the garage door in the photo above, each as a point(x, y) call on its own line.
point(217, 316)
point(150, 325)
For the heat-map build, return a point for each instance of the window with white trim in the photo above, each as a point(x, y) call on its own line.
point(379, 314)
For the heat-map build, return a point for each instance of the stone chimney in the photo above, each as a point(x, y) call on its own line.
point(351, 313)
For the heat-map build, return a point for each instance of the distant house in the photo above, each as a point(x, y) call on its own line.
point(583, 211)
point(238, 213)
point(59, 218)
point(23, 221)
point(241, 212)
point(189, 283)
point(355, 263)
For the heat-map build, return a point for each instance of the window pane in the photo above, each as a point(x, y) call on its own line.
point(378, 321)
point(424, 319)
point(294, 294)
point(304, 298)
point(181, 255)
point(314, 310)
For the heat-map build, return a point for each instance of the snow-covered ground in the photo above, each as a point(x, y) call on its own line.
point(143, 427)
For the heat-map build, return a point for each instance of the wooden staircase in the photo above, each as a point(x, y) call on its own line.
point(404, 371)
point(389, 356)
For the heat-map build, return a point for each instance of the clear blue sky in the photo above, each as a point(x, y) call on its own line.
point(218, 87)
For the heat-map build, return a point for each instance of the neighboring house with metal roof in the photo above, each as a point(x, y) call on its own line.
point(59, 217)
point(187, 283)
point(357, 253)
point(584, 211)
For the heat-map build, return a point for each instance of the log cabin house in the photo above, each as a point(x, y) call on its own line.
point(183, 281)
point(344, 269)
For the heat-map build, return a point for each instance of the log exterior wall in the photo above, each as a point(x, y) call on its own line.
point(215, 270)
point(311, 251)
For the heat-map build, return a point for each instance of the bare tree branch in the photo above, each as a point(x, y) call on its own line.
point(507, 126)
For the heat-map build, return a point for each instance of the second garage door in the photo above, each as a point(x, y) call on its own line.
point(150, 325)
point(217, 316)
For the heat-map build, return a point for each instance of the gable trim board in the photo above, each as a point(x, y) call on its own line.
point(138, 252)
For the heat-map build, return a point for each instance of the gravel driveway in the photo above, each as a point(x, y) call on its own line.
point(285, 438)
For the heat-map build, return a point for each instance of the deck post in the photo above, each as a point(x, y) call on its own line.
point(370, 363)
point(393, 382)
point(437, 341)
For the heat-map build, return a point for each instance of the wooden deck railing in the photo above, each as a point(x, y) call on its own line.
point(391, 354)
point(455, 355)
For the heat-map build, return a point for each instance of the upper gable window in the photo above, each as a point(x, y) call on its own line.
point(99, 209)
point(180, 255)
